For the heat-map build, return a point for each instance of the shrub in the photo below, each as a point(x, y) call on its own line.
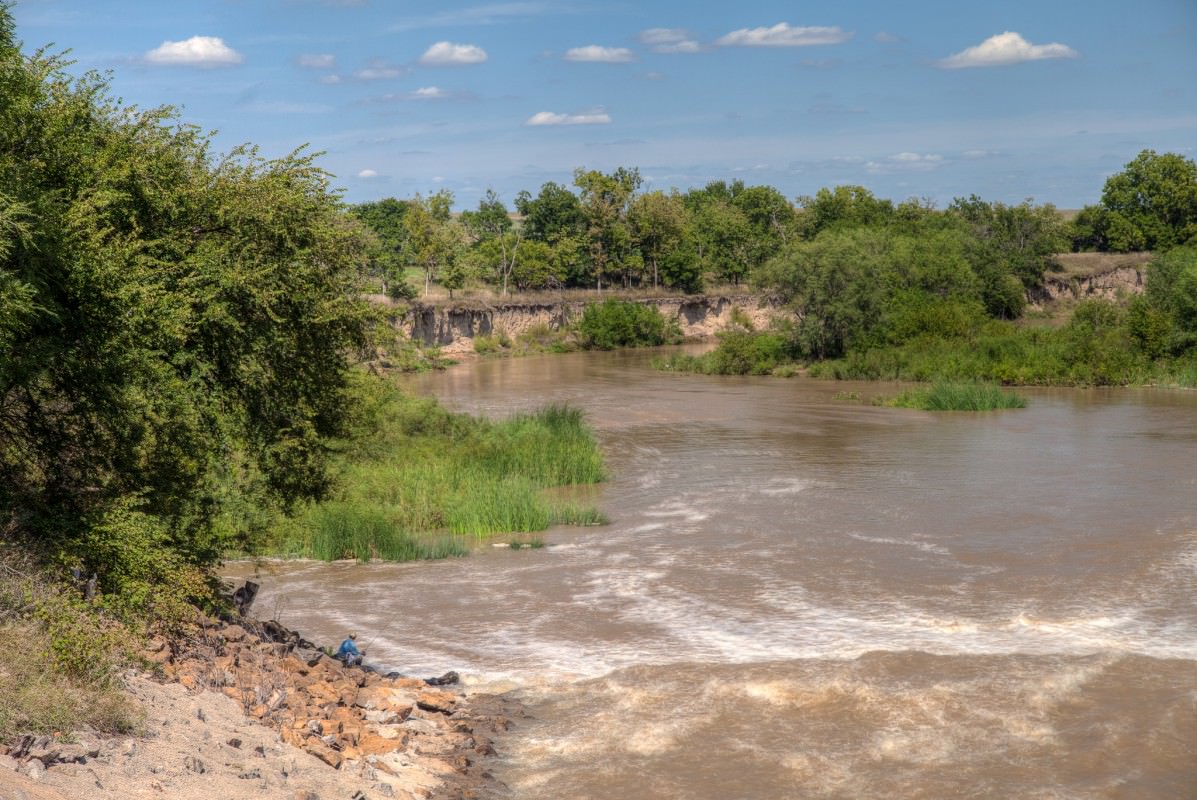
point(622, 323)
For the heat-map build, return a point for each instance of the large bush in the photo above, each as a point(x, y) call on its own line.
point(174, 327)
point(622, 323)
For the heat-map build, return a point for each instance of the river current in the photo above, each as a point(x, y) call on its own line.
point(801, 595)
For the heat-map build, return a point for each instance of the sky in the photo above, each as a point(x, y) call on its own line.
point(1005, 99)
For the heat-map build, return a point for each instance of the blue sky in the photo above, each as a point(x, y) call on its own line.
point(1006, 99)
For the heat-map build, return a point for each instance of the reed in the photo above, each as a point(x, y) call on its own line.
point(950, 396)
point(415, 479)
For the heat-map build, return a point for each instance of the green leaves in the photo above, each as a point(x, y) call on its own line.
point(175, 331)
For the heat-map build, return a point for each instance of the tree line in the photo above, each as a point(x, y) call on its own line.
point(604, 231)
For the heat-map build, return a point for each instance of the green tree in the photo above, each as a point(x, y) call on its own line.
point(389, 260)
point(605, 200)
point(496, 248)
point(552, 215)
point(658, 223)
point(841, 207)
point(1152, 203)
point(177, 327)
point(434, 240)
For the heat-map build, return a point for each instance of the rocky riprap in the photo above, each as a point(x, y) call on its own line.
point(387, 735)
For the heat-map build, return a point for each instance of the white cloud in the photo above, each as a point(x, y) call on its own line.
point(317, 60)
point(597, 117)
point(448, 53)
point(378, 69)
point(331, 80)
point(367, 173)
point(1006, 48)
point(905, 162)
point(198, 51)
point(784, 35)
point(594, 52)
point(428, 93)
point(670, 40)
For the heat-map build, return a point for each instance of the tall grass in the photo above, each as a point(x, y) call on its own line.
point(415, 479)
point(949, 396)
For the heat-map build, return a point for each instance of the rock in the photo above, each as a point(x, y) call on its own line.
point(445, 680)
point(250, 775)
point(35, 769)
point(324, 753)
point(8, 762)
point(193, 764)
point(315, 726)
point(441, 702)
point(235, 743)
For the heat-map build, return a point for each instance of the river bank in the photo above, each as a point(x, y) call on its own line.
point(253, 710)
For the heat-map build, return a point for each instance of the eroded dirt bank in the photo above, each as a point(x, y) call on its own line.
point(454, 327)
point(255, 711)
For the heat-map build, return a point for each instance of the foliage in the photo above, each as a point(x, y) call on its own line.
point(177, 328)
point(947, 396)
point(623, 323)
point(1150, 205)
point(413, 475)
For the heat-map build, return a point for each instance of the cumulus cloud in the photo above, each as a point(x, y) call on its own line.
point(586, 118)
point(784, 35)
point(367, 173)
point(378, 69)
point(449, 54)
point(594, 52)
point(1006, 48)
point(317, 60)
point(198, 51)
point(670, 40)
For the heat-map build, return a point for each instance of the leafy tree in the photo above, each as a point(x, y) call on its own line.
point(552, 215)
point(1151, 204)
point(176, 327)
point(605, 200)
point(722, 235)
point(434, 239)
point(841, 207)
point(490, 226)
point(1010, 242)
point(658, 223)
point(388, 261)
point(1172, 291)
point(771, 219)
point(834, 285)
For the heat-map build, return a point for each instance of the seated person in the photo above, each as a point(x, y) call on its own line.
point(349, 652)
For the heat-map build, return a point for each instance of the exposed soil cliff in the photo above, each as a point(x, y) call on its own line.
point(1107, 285)
point(454, 327)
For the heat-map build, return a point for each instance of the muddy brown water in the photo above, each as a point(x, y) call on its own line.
point(801, 595)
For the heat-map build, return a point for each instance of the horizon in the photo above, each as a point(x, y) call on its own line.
point(1007, 103)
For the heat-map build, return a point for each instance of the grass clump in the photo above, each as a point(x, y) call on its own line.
point(949, 396)
point(59, 657)
point(416, 479)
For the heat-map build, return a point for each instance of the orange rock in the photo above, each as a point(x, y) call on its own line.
point(323, 692)
point(189, 682)
point(442, 702)
point(324, 753)
point(372, 744)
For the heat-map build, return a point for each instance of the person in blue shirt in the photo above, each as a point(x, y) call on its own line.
point(349, 652)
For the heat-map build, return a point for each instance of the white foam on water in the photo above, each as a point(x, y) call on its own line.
point(778, 487)
point(926, 547)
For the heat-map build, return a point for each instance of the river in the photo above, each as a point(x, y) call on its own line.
point(801, 595)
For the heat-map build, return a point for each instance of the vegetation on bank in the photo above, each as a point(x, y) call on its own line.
point(413, 479)
point(948, 396)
